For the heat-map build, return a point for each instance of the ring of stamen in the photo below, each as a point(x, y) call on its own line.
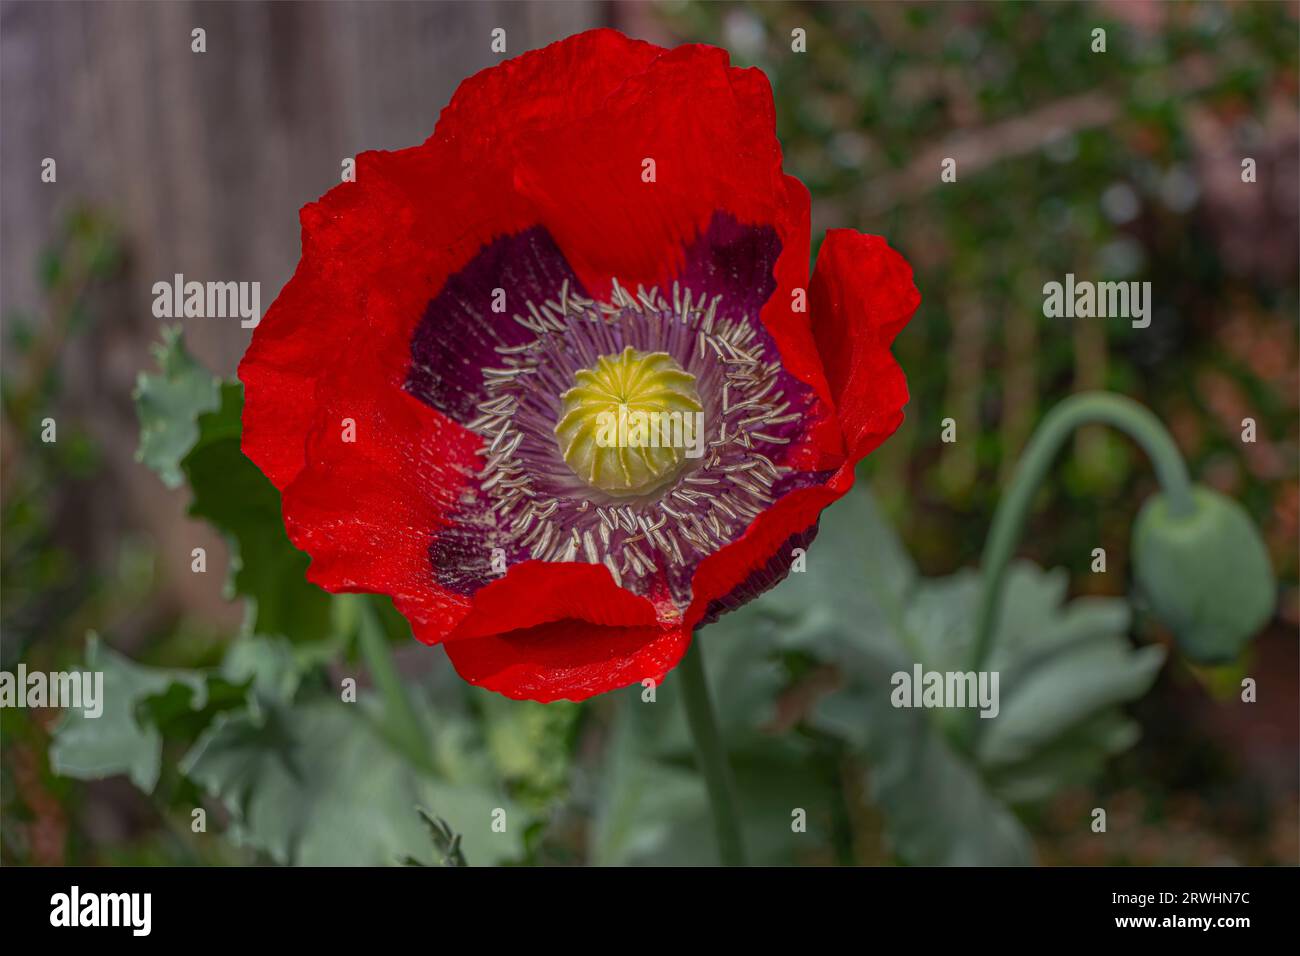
point(542, 509)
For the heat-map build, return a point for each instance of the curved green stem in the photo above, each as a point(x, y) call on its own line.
point(712, 756)
point(1082, 409)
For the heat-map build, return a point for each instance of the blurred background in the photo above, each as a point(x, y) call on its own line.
point(1117, 166)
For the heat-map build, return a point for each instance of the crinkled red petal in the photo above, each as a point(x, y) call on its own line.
point(570, 660)
point(540, 592)
point(365, 509)
point(862, 295)
point(709, 130)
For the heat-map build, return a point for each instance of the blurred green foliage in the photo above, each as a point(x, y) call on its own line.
point(236, 499)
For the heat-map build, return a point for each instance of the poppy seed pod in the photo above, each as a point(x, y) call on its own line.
point(1205, 574)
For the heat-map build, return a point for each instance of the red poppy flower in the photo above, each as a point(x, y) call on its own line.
point(599, 226)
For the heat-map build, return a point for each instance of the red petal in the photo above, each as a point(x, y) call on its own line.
point(570, 660)
point(503, 106)
point(711, 131)
point(861, 297)
point(548, 631)
point(540, 592)
point(366, 510)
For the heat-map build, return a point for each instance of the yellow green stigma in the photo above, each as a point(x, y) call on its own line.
point(629, 423)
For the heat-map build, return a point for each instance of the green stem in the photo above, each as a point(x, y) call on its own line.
point(712, 756)
point(1082, 409)
point(400, 721)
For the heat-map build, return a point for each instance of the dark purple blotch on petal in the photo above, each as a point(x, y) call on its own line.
point(738, 262)
point(459, 333)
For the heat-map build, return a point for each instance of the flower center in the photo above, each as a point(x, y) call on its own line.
point(630, 421)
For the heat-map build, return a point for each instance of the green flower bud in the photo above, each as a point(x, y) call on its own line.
point(1205, 574)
